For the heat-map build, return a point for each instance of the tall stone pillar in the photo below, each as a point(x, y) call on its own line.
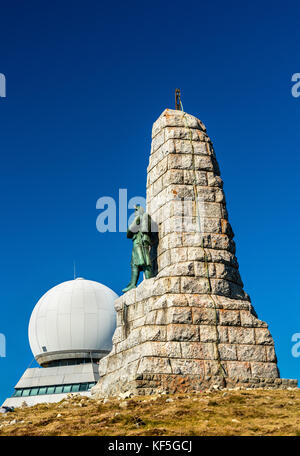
point(192, 325)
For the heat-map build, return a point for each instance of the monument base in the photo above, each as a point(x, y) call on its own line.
point(148, 384)
point(169, 341)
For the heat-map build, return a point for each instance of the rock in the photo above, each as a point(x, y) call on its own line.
point(139, 422)
point(216, 387)
point(5, 409)
point(125, 395)
point(123, 404)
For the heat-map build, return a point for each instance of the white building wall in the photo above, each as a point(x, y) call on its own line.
point(45, 398)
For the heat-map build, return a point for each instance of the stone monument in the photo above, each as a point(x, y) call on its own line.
point(191, 326)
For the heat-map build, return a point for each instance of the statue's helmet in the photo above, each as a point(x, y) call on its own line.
point(139, 209)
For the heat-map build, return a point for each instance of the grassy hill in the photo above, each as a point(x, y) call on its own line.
point(225, 412)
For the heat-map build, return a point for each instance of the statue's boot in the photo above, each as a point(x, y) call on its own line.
point(133, 281)
point(148, 272)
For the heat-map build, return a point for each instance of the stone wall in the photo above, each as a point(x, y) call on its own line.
point(192, 325)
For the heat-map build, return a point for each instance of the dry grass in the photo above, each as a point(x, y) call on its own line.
point(226, 413)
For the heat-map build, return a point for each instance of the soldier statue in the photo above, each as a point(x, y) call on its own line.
point(140, 233)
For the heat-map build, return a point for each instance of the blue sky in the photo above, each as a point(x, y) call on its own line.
point(85, 82)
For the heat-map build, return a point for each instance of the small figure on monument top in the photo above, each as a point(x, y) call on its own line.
point(178, 104)
point(140, 233)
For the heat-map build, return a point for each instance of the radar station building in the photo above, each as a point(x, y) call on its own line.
point(70, 330)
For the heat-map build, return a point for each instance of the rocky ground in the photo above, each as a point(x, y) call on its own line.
point(209, 413)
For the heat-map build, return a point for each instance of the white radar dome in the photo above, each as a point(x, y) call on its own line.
point(73, 319)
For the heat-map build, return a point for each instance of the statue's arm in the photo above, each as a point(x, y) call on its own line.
point(146, 224)
point(133, 228)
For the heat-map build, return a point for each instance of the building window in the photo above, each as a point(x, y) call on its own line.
point(55, 389)
point(58, 389)
point(67, 389)
point(42, 390)
point(83, 386)
point(50, 389)
point(34, 391)
point(18, 393)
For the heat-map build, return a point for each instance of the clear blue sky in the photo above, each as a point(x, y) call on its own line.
point(85, 82)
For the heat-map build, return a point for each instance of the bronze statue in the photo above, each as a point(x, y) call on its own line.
point(140, 233)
